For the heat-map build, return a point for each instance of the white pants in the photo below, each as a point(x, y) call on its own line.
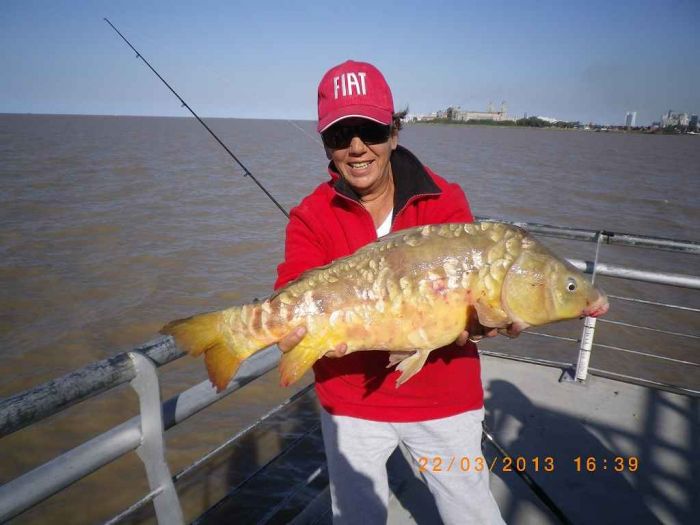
point(357, 451)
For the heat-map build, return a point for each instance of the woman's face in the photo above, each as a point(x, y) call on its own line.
point(365, 167)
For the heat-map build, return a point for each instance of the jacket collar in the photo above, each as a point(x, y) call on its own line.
point(410, 179)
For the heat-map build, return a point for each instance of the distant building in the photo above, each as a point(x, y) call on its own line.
point(693, 124)
point(630, 119)
point(551, 120)
point(489, 114)
point(423, 116)
point(674, 119)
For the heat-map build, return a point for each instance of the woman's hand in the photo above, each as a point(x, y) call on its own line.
point(474, 331)
point(289, 341)
point(477, 335)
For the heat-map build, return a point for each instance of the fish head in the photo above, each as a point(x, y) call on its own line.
point(541, 288)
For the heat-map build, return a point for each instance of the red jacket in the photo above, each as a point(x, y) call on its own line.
point(331, 223)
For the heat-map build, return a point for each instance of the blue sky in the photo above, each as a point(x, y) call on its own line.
point(588, 60)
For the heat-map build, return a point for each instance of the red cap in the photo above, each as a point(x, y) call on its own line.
point(354, 89)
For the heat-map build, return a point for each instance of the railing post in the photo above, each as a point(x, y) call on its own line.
point(580, 374)
point(152, 448)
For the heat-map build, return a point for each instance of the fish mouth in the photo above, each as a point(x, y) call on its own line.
point(598, 308)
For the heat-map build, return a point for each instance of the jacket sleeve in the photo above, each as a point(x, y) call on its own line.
point(303, 249)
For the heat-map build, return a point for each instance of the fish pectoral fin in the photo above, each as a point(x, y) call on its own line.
point(297, 362)
point(396, 357)
point(411, 365)
point(490, 316)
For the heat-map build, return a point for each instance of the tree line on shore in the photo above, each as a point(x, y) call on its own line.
point(535, 122)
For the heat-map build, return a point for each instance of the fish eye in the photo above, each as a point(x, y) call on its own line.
point(571, 285)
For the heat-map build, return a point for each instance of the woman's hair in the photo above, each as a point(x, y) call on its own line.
point(397, 118)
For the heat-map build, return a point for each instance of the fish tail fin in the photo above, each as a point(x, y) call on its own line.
point(223, 337)
point(410, 366)
point(297, 362)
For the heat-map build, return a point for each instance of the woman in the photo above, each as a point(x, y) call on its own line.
point(377, 186)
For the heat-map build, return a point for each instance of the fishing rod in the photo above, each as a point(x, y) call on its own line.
point(531, 483)
point(246, 172)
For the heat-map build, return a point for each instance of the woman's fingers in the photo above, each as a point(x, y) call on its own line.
point(338, 351)
point(462, 338)
point(292, 339)
point(480, 333)
point(490, 332)
point(289, 341)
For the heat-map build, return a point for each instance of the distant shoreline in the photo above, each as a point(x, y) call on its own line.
point(566, 126)
point(563, 126)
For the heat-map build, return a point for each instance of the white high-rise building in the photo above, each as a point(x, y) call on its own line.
point(630, 119)
point(675, 119)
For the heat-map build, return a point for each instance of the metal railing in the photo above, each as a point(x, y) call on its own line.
point(138, 433)
point(579, 373)
point(144, 433)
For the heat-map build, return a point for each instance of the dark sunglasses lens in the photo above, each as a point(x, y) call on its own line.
point(339, 137)
point(373, 133)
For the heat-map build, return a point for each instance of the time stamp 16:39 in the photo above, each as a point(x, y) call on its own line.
point(523, 464)
point(616, 463)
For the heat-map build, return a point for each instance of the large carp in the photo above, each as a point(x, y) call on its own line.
point(410, 292)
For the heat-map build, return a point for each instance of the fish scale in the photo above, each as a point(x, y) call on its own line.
point(408, 293)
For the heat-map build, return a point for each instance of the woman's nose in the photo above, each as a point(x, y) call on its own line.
point(356, 145)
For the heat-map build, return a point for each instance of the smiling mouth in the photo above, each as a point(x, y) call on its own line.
point(360, 165)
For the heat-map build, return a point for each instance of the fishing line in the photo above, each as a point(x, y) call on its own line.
point(314, 139)
point(531, 483)
point(246, 172)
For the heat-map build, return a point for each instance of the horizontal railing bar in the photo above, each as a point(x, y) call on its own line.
point(203, 518)
point(624, 239)
point(282, 453)
point(612, 270)
point(45, 480)
point(524, 359)
point(654, 303)
point(552, 336)
point(646, 354)
point(674, 389)
point(33, 405)
point(23, 492)
point(134, 508)
point(600, 345)
point(667, 332)
point(217, 450)
point(183, 405)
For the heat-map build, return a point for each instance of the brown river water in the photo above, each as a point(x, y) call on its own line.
point(112, 226)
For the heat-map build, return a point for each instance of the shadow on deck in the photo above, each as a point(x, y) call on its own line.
point(643, 448)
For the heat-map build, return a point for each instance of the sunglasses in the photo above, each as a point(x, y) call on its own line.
point(340, 136)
